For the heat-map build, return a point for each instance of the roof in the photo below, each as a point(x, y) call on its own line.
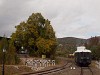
point(82, 49)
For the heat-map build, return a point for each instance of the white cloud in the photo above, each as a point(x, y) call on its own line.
point(1, 2)
point(79, 18)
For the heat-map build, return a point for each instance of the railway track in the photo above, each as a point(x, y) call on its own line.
point(49, 71)
point(83, 69)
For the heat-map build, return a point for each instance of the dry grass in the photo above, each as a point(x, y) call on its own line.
point(21, 68)
point(15, 69)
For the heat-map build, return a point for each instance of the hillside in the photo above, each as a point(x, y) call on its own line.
point(69, 44)
point(71, 40)
point(2, 37)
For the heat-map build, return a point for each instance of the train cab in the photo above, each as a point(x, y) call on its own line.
point(82, 56)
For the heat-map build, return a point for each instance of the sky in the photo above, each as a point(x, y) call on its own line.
point(69, 18)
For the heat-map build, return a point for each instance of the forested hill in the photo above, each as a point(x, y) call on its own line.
point(2, 37)
point(69, 44)
point(67, 40)
point(71, 40)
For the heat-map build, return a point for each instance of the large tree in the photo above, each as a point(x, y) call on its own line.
point(36, 35)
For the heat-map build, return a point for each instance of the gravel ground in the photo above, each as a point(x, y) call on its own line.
point(77, 71)
point(67, 71)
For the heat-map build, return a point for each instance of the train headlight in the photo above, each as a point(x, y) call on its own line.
point(87, 57)
point(81, 57)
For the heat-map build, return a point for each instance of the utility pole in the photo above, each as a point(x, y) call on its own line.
point(3, 62)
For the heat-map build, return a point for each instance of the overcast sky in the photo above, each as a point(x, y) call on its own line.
point(69, 18)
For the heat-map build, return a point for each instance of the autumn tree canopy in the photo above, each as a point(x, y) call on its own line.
point(36, 35)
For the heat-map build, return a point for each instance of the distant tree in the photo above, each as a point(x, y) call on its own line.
point(10, 54)
point(94, 45)
point(3, 46)
point(1, 53)
point(93, 41)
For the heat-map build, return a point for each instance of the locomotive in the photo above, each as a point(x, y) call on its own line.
point(82, 56)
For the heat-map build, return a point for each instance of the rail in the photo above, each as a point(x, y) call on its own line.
point(83, 68)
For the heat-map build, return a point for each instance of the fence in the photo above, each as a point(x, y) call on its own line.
point(39, 64)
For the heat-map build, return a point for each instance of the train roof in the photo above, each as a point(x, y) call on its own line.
point(82, 49)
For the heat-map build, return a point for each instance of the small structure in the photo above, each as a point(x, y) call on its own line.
point(71, 55)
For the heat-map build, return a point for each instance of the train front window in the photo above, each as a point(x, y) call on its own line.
point(85, 54)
